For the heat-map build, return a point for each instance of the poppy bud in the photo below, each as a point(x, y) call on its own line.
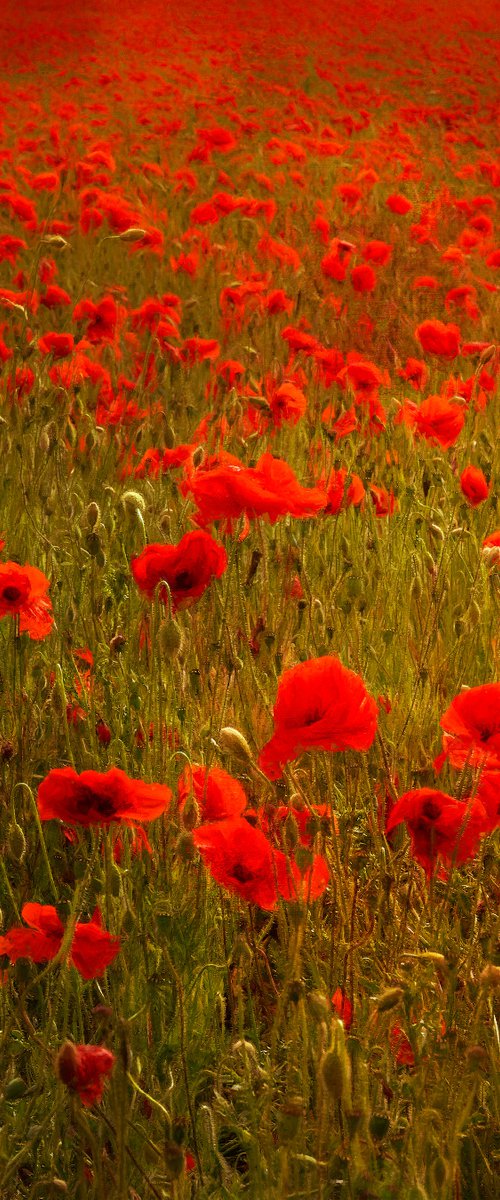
point(439, 1174)
point(134, 234)
point(117, 643)
point(173, 1157)
point(55, 240)
point(290, 1116)
point(16, 843)
point(198, 456)
point(389, 999)
point(190, 814)
point(336, 1073)
point(66, 1063)
point(232, 742)
point(170, 639)
point(185, 847)
point(133, 502)
point(319, 1006)
point(15, 1089)
point(490, 976)
point(93, 544)
point(93, 515)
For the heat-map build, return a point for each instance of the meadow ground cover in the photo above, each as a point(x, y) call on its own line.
point(249, 601)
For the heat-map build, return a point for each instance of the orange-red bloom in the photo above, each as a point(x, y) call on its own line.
point(187, 567)
point(218, 795)
point(474, 486)
point(92, 948)
point(23, 593)
point(439, 420)
point(439, 339)
point(472, 728)
point(320, 705)
point(95, 798)
point(270, 489)
point(84, 1069)
point(439, 826)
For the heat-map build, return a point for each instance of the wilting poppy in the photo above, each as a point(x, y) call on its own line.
point(95, 798)
point(187, 567)
point(439, 826)
point(474, 486)
point(84, 1069)
point(320, 705)
point(23, 593)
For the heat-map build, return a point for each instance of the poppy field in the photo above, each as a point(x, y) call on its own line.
point(249, 601)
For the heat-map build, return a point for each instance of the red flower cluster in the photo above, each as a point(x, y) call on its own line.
point(270, 489)
point(320, 705)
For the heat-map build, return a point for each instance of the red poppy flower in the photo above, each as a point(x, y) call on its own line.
point(218, 795)
point(240, 858)
point(439, 826)
point(187, 567)
point(320, 705)
point(399, 204)
point(439, 339)
point(93, 798)
point(92, 948)
point(491, 547)
point(270, 489)
point(385, 502)
point(377, 252)
point(102, 319)
point(295, 884)
point(415, 372)
point(439, 420)
point(363, 278)
point(84, 1069)
point(59, 345)
point(474, 486)
point(488, 793)
point(401, 1047)
point(23, 593)
point(340, 496)
point(343, 1007)
point(472, 727)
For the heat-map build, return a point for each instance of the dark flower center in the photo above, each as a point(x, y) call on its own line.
point(183, 580)
point(431, 810)
point(11, 594)
point(89, 801)
point(241, 873)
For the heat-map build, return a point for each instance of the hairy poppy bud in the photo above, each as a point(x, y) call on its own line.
point(490, 976)
point(170, 639)
point(66, 1063)
point(198, 456)
point(134, 234)
point(133, 502)
point(389, 999)
point(16, 843)
point(15, 1089)
point(232, 742)
point(117, 643)
point(93, 515)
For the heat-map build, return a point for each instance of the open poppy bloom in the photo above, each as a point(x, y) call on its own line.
point(84, 1069)
point(95, 798)
point(439, 826)
point(92, 948)
point(472, 728)
point(439, 421)
point(23, 593)
point(241, 858)
point(187, 567)
point(320, 705)
point(270, 489)
point(218, 795)
point(439, 339)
